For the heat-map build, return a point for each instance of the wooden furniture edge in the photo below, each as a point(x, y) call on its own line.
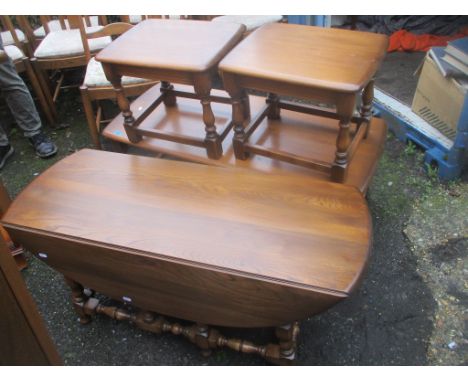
point(189, 263)
point(28, 306)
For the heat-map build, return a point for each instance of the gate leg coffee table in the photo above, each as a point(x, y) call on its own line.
point(325, 65)
point(180, 51)
point(213, 245)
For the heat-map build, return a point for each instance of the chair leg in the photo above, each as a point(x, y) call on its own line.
point(45, 86)
point(90, 118)
point(50, 112)
point(58, 87)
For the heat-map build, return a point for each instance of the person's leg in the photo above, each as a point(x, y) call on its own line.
point(22, 107)
point(3, 136)
point(19, 99)
point(6, 150)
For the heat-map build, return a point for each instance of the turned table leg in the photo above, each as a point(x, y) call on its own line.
point(345, 109)
point(239, 132)
point(245, 104)
point(79, 299)
point(202, 86)
point(124, 104)
point(240, 112)
point(366, 106)
point(287, 336)
point(202, 339)
point(169, 97)
point(203, 336)
point(274, 109)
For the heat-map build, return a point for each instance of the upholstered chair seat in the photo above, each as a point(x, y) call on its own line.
point(66, 43)
point(95, 76)
point(7, 38)
point(13, 52)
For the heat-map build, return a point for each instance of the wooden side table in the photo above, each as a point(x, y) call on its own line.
point(180, 51)
point(289, 134)
point(329, 66)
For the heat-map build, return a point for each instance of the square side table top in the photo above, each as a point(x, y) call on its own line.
point(323, 58)
point(185, 45)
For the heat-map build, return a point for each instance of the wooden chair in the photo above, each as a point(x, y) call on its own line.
point(135, 19)
point(12, 35)
point(95, 86)
point(56, 23)
point(35, 34)
point(22, 64)
point(132, 19)
point(63, 49)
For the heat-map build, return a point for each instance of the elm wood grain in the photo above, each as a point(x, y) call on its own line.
point(23, 337)
point(221, 246)
point(179, 290)
point(312, 57)
point(184, 52)
point(178, 45)
point(322, 64)
point(307, 135)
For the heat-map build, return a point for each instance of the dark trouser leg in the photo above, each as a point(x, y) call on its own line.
point(19, 101)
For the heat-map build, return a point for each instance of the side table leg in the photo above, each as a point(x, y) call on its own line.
point(345, 109)
point(239, 132)
point(366, 106)
point(169, 97)
point(274, 109)
point(124, 105)
point(202, 85)
point(246, 104)
point(240, 112)
point(79, 298)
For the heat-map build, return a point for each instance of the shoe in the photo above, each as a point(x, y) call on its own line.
point(5, 152)
point(43, 145)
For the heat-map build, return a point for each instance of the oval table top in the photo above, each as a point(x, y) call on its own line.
point(286, 229)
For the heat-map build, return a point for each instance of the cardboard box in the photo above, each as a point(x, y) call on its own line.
point(439, 100)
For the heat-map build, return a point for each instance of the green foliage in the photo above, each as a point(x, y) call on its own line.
point(410, 148)
point(432, 172)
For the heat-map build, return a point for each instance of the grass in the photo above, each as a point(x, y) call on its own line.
point(401, 179)
point(410, 148)
point(432, 171)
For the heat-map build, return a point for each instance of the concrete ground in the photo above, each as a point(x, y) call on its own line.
point(410, 310)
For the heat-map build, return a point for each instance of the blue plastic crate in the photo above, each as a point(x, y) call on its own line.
point(449, 156)
point(317, 20)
